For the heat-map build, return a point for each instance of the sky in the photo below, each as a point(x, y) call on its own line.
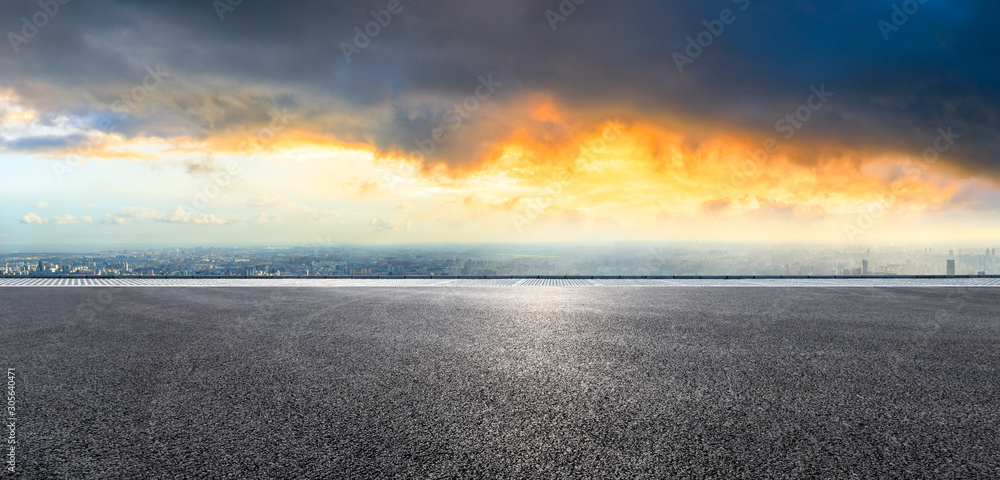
point(409, 121)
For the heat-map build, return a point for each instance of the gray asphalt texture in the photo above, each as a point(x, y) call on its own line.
point(502, 382)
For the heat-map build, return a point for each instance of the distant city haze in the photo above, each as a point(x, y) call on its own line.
point(501, 259)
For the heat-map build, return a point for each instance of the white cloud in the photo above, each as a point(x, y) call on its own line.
point(179, 215)
point(389, 224)
point(42, 204)
point(141, 213)
point(65, 220)
point(314, 215)
point(288, 207)
point(266, 218)
point(32, 219)
point(113, 220)
point(127, 214)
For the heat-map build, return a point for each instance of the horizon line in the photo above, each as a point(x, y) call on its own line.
point(498, 277)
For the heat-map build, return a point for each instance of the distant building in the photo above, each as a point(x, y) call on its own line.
point(951, 268)
point(864, 267)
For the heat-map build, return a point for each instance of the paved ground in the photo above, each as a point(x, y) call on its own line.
point(501, 382)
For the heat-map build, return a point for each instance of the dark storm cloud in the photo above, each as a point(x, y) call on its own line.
point(938, 69)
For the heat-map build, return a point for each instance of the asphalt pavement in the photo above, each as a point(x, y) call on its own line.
point(504, 382)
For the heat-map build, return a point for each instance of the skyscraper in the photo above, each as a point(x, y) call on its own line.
point(951, 268)
point(864, 267)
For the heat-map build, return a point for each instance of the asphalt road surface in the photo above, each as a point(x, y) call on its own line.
point(504, 382)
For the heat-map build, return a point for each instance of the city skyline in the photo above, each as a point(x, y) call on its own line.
point(394, 122)
point(504, 260)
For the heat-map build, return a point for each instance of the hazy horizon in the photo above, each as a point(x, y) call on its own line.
point(694, 246)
